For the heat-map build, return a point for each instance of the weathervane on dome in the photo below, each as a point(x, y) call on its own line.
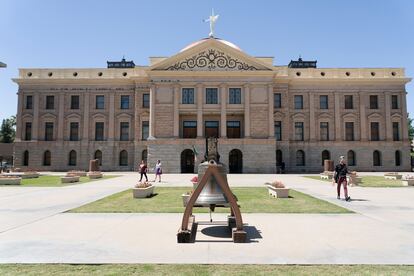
point(212, 19)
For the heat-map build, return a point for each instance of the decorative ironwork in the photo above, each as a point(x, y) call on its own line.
point(212, 60)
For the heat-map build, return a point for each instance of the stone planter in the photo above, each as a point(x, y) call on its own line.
point(77, 173)
point(95, 175)
point(327, 175)
point(408, 182)
point(393, 176)
point(143, 192)
point(23, 175)
point(10, 180)
point(69, 179)
point(186, 198)
point(354, 180)
point(278, 192)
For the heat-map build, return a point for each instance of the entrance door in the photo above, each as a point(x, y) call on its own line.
point(187, 161)
point(235, 161)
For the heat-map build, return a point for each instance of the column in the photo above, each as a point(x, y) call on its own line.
point(200, 110)
point(111, 124)
point(152, 112)
point(19, 126)
point(223, 106)
point(136, 115)
point(246, 110)
point(86, 118)
point(176, 126)
point(338, 133)
point(312, 123)
point(60, 125)
point(363, 118)
point(271, 109)
point(404, 127)
point(35, 122)
point(388, 124)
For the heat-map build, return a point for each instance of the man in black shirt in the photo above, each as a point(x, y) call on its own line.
point(341, 170)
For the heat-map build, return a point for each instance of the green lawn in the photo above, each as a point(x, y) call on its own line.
point(199, 269)
point(251, 200)
point(54, 181)
point(370, 181)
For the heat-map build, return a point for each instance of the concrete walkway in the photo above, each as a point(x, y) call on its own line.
point(34, 229)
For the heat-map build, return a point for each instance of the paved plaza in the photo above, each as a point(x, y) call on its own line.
point(34, 227)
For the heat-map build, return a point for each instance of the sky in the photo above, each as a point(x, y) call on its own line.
point(85, 34)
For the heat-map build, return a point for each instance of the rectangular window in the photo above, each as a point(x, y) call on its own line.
point(187, 95)
point(212, 129)
point(394, 101)
point(323, 102)
point(299, 131)
point(211, 96)
point(277, 98)
point(28, 132)
point(29, 102)
point(349, 102)
point(396, 131)
point(124, 131)
point(74, 102)
point(48, 131)
point(190, 129)
point(233, 129)
point(50, 102)
point(278, 130)
point(74, 131)
point(375, 131)
point(99, 131)
point(373, 102)
point(145, 100)
point(100, 102)
point(234, 95)
point(324, 131)
point(124, 102)
point(349, 131)
point(298, 102)
point(145, 130)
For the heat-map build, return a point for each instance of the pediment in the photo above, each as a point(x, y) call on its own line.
point(211, 55)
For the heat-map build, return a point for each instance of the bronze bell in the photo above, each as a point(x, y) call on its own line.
point(211, 195)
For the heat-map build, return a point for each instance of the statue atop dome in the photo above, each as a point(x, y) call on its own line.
point(212, 19)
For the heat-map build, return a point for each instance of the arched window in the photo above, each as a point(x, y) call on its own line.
point(300, 158)
point(47, 156)
point(376, 156)
point(397, 158)
point(98, 155)
point(123, 158)
point(351, 158)
point(187, 161)
point(144, 155)
point(72, 158)
point(326, 155)
point(26, 158)
point(235, 161)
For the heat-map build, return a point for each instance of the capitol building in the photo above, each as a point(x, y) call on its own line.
point(265, 116)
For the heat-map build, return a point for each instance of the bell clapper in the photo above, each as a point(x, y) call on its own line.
point(211, 218)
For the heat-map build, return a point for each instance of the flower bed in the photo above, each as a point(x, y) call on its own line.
point(277, 189)
point(77, 173)
point(95, 175)
point(392, 175)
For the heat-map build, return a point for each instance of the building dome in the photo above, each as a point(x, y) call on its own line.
point(228, 43)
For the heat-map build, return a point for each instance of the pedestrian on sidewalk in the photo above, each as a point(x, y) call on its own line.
point(158, 171)
point(341, 170)
point(143, 170)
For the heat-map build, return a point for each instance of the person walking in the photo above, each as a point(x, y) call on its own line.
point(143, 170)
point(341, 170)
point(158, 171)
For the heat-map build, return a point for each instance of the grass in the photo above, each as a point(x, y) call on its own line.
point(370, 181)
point(200, 269)
point(54, 181)
point(251, 200)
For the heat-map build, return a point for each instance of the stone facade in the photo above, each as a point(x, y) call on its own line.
point(163, 110)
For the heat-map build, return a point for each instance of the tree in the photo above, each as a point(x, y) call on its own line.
point(410, 129)
point(7, 130)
